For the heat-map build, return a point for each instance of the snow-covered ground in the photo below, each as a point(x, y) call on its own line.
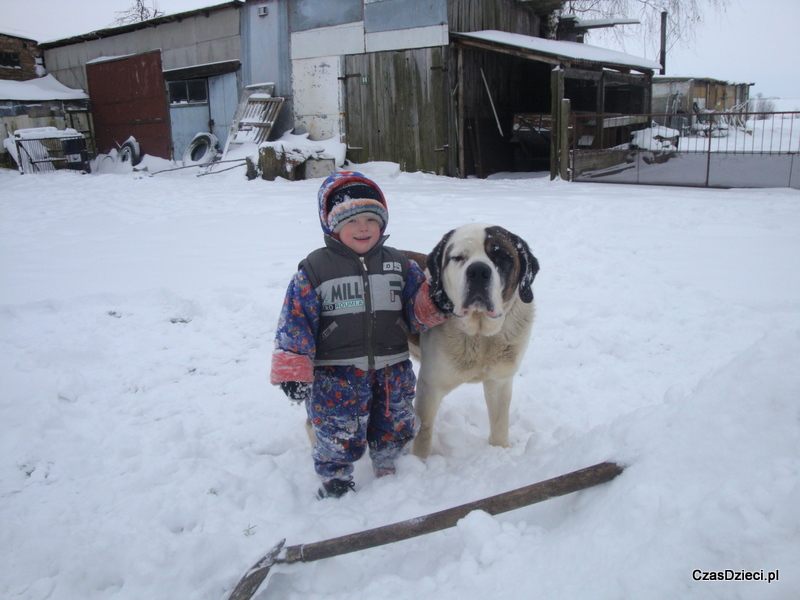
point(143, 454)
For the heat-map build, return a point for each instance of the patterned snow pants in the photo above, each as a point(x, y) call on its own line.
point(351, 410)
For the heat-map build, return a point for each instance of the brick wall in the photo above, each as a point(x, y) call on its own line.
point(18, 58)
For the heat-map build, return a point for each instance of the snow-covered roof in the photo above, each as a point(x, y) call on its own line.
point(671, 78)
point(17, 34)
point(45, 133)
point(564, 50)
point(43, 88)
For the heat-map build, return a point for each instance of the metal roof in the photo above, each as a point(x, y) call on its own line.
point(112, 31)
point(555, 52)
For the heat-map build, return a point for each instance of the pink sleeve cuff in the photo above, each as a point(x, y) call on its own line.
point(424, 308)
point(287, 366)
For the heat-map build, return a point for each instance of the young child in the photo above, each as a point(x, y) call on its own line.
point(341, 344)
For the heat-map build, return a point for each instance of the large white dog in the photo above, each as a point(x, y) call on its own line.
point(483, 275)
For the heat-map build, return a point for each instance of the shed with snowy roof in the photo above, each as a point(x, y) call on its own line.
point(41, 102)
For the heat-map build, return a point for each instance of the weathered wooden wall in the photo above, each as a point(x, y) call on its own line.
point(504, 15)
point(398, 108)
point(720, 95)
point(672, 94)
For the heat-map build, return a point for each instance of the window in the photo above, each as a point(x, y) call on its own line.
point(10, 60)
point(188, 91)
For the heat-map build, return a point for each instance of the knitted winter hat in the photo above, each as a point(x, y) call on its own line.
point(347, 194)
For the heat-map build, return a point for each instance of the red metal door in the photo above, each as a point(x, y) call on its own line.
point(129, 98)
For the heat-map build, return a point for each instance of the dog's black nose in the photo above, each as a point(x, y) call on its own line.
point(478, 282)
point(479, 271)
point(477, 288)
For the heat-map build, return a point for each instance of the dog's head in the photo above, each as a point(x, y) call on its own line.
point(478, 272)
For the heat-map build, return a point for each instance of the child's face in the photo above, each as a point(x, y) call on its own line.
point(361, 233)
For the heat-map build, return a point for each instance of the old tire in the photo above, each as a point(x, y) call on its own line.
point(203, 149)
point(130, 152)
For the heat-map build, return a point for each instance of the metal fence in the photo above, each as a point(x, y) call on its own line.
point(748, 149)
point(46, 149)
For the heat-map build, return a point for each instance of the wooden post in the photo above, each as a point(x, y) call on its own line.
point(556, 94)
point(460, 124)
point(564, 121)
point(270, 162)
point(664, 42)
point(599, 131)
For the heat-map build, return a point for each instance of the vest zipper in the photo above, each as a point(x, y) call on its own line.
point(368, 315)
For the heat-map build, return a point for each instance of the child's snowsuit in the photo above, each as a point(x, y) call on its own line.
point(343, 327)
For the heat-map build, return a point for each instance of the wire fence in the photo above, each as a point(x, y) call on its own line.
point(743, 149)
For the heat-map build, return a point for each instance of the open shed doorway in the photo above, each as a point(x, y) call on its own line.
point(494, 88)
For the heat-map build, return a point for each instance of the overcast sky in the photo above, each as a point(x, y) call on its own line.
point(756, 41)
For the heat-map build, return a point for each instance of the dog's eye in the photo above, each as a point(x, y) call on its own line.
point(499, 255)
point(458, 258)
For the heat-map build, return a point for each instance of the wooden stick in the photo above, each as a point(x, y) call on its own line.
point(494, 505)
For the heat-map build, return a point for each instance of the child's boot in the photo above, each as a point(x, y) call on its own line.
point(383, 470)
point(335, 488)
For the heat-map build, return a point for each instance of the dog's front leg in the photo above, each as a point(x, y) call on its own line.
point(427, 403)
point(497, 393)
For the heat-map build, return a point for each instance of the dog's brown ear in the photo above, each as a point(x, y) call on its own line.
point(529, 267)
point(417, 257)
point(435, 265)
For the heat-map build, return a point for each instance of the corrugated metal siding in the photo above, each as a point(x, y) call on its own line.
point(200, 38)
point(129, 99)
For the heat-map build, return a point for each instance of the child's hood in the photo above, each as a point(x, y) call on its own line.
point(336, 183)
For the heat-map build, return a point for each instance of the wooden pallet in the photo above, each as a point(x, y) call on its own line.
point(255, 117)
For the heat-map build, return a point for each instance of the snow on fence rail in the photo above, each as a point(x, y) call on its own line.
point(748, 149)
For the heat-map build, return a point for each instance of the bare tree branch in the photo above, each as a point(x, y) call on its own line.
point(684, 18)
point(139, 11)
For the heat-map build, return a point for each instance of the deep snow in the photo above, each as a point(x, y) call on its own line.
point(143, 453)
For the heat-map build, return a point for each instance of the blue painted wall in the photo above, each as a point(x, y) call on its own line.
point(391, 15)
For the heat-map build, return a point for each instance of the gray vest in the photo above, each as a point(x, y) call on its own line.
point(361, 318)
